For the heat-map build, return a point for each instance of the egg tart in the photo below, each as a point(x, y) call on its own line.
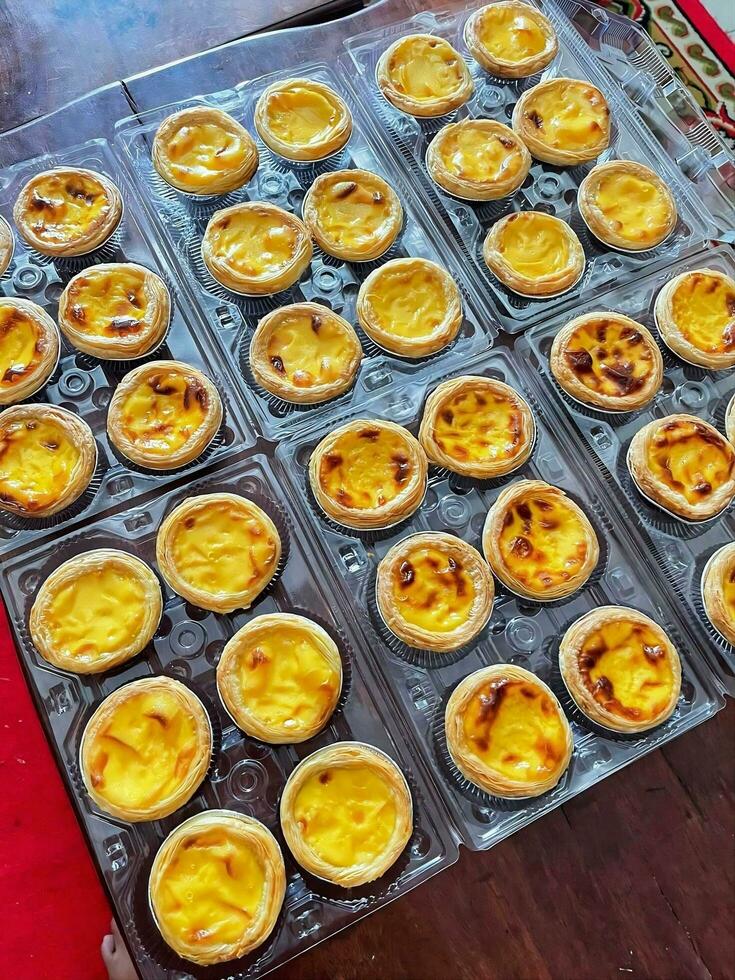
point(353, 215)
point(47, 458)
point(217, 886)
point(423, 75)
point(204, 151)
point(117, 311)
point(621, 669)
point(608, 361)
point(146, 749)
point(96, 611)
point(534, 254)
point(302, 119)
point(507, 733)
point(410, 307)
point(478, 160)
point(7, 245)
point(695, 315)
point(66, 211)
point(684, 465)
point(29, 349)
point(346, 813)
point(538, 542)
point(280, 678)
point(563, 121)
point(368, 474)
point(256, 248)
point(305, 353)
point(434, 591)
point(730, 420)
point(718, 591)
point(477, 426)
point(164, 414)
point(510, 39)
point(218, 550)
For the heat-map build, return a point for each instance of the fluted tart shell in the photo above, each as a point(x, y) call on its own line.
point(7, 245)
point(29, 349)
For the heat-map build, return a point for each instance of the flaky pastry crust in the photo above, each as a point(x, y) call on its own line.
point(730, 421)
point(718, 591)
point(510, 167)
point(424, 48)
point(531, 123)
point(514, 64)
point(27, 363)
point(714, 348)
point(324, 142)
point(7, 245)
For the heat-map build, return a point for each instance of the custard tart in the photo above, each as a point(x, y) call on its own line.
point(29, 349)
point(534, 254)
point(621, 669)
point(684, 465)
point(353, 215)
point(305, 353)
point(346, 813)
point(302, 119)
point(146, 749)
point(66, 211)
point(510, 39)
point(730, 420)
point(7, 245)
point(507, 733)
point(477, 426)
point(204, 151)
point(280, 678)
point(410, 307)
point(563, 121)
point(538, 542)
point(217, 886)
point(434, 591)
point(478, 160)
point(368, 474)
point(96, 611)
point(423, 75)
point(118, 311)
point(256, 248)
point(608, 361)
point(47, 458)
point(718, 591)
point(164, 414)
point(695, 315)
point(219, 551)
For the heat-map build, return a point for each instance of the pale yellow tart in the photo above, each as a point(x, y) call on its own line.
point(507, 733)
point(256, 248)
point(718, 591)
point(477, 426)
point(563, 121)
point(410, 307)
point(280, 678)
point(510, 39)
point(305, 353)
point(534, 254)
point(219, 551)
point(684, 465)
point(7, 245)
point(302, 119)
point(423, 75)
point(346, 813)
point(217, 886)
point(204, 151)
point(96, 611)
point(695, 315)
point(67, 212)
point(29, 349)
point(621, 669)
point(146, 749)
point(478, 159)
point(368, 474)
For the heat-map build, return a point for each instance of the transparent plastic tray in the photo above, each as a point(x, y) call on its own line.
point(327, 280)
point(547, 188)
point(84, 384)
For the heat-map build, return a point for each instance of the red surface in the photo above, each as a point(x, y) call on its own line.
point(708, 28)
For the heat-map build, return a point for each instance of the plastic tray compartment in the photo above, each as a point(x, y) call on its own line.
point(520, 631)
point(84, 384)
point(328, 280)
point(246, 775)
point(680, 549)
point(547, 188)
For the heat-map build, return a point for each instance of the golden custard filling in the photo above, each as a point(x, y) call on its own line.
point(108, 304)
point(638, 209)
point(432, 590)
point(426, 68)
point(568, 116)
point(703, 309)
point(211, 889)
point(479, 426)
point(307, 349)
point(200, 153)
point(535, 244)
point(22, 346)
point(514, 729)
point(346, 815)
point(690, 459)
point(352, 213)
point(254, 243)
point(510, 35)
point(37, 461)
point(609, 357)
point(63, 207)
point(409, 303)
point(162, 413)
point(366, 469)
point(302, 115)
point(471, 153)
